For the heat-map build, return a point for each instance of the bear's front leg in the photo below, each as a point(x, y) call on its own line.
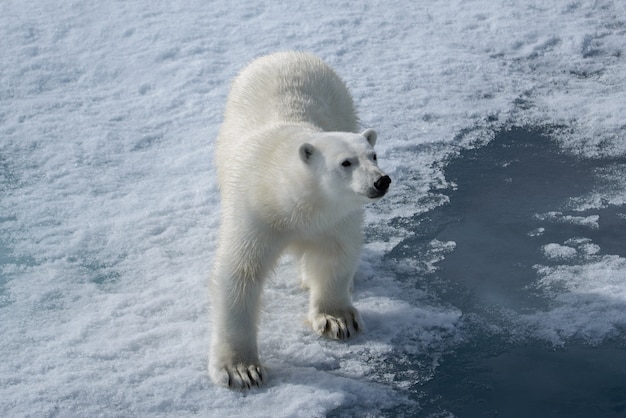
point(241, 264)
point(331, 313)
point(327, 269)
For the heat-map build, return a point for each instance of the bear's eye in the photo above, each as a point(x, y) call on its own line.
point(346, 163)
point(374, 157)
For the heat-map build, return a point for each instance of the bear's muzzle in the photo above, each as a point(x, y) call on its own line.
point(380, 187)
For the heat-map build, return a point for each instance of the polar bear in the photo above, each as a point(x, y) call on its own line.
point(293, 175)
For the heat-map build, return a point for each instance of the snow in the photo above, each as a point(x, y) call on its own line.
point(109, 208)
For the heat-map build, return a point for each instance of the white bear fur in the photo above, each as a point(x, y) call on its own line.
point(288, 126)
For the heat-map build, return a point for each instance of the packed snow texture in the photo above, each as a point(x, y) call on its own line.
point(109, 207)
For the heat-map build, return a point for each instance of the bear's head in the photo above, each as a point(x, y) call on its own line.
point(346, 166)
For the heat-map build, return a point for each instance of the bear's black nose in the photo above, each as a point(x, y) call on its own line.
point(382, 183)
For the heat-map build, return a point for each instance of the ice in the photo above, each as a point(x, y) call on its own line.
point(612, 191)
point(589, 300)
point(556, 251)
point(109, 207)
point(558, 217)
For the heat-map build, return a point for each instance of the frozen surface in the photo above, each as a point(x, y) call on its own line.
point(480, 261)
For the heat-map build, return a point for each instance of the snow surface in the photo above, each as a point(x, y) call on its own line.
point(109, 208)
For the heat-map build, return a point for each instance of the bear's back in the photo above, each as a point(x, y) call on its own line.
point(289, 87)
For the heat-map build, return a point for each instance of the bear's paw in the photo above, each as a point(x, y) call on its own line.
point(238, 376)
point(337, 325)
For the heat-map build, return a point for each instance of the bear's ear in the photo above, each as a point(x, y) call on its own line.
point(370, 135)
point(306, 152)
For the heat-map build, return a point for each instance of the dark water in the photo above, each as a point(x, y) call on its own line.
point(500, 189)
